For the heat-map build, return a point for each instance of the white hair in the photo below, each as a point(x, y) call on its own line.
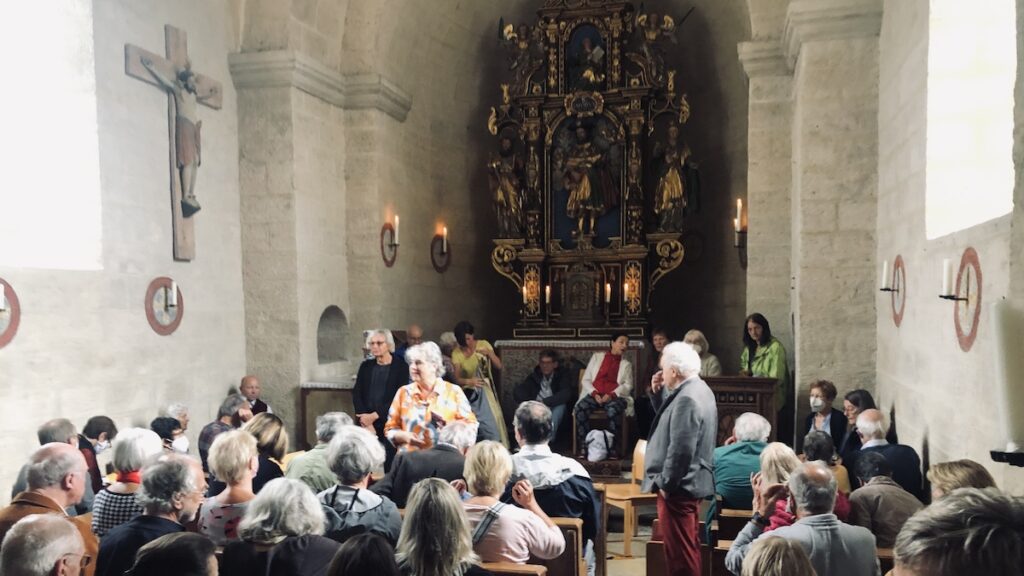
point(388, 338)
point(809, 492)
point(872, 427)
point(177, 410)
point(135, 447)
point(50, 464)
point(35, 543)
point(328, 424)
point(682, 357)
point(283, 508)
point(164, 481)
point(459, 433)
point(427, 352)
point(751, 427)
point(353, 454)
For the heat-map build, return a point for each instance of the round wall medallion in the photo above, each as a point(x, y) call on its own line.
point(163, 311)
point(967, 309)
point(10, 316)
point(440, 254)
point(388, 246)
point(899, 290)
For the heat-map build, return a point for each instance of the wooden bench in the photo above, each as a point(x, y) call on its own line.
point(571, 562)
point(513, 569)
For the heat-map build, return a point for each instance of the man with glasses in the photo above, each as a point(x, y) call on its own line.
point(56, 476)
point(377, 382)
point(172, 489)
point(42, 545)
point(548, 383)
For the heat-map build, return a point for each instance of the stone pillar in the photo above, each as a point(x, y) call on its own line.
point(769, 178)
point(833, 47)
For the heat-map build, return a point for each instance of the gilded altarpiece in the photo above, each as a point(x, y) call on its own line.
point(591, 176)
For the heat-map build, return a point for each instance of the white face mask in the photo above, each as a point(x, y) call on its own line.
point(817, 404)
point(180, 445)
point(101, 446)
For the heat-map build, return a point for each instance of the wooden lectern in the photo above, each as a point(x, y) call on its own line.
point(738, 394)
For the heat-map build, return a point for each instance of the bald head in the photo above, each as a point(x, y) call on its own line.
point(871, 424)
point(41, 544)
point(414, 335)
point(813, 487)
point(59, 471)
point(250, 387)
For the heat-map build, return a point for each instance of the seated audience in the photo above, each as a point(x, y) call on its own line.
point(95, 439)
point(423, 407)
point(250, 388)
point(823, 416)
point(777, 557)
point(778, 462)
point(970, 531)
point(281, 534)
point(56, 478)
point(43, 545)
point(368, 554)
point(737, 461)
point(180, 411)
point(906, 465)
point(445, 460)
point(170, 432)
point(819, 446)
point(503, 533)
point(435, 538)
point(172, 490)
point(233, 412)
point(709, 364)
point(880, 504)
point(311, 468)
point(413, 337)
point(561, 486)
point(350, 508)
point(116, 504)
point(271, 446)
point(643, 408)
point(234, 461)
point(607, 384)
point(549, 383)
point(377, 382)
point(948, 476)
point(854, 403)
point(63, 431)
point(177, 554)
point(835, 548)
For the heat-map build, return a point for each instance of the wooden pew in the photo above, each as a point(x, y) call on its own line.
point(570, 562)
point(513, 569)
point(886, 559)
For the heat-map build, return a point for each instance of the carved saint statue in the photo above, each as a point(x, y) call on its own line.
point(505, 170)
point(588, 180)
point(670, 197)
point(588, 66)
point(526, 55)
point(654, 31)
point(186, 130)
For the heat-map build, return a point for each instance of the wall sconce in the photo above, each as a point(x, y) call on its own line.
point(739, 230)
point(949, 291)
point(440, 251)
point(893, 283)
point(10, 313)
point(3, 298)
point(165, 305)
point(964, 290)
point(887, 279)
point(171, 295)
point(389, 242)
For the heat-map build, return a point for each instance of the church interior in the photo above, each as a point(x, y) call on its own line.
point(204, 189)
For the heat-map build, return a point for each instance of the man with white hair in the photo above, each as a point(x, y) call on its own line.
point(835, 548)
point(311, 468)
point(57, 476)
point(445, 460)
point(178, 410)
point(906, 464)
point(43, 545)
point(680, 452)
point(737, 461)
point(172, 490)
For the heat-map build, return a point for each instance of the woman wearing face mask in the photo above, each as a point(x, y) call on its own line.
point(709, 364)
point(169, 430)
point(823, 416)
point(94, 440)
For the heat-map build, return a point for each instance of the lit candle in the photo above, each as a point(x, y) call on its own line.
point(172, 294)
point(3, 297)
point(625, 291)
point(396, 229)
point(524, 293)
point(444, 239)
point(739, 214)
point(1008, 328)
point(885, 275)
point(547, 294)
point(736, 224)
point(607, 292)
point(947, 277)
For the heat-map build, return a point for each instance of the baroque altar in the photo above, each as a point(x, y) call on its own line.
point(591, 177)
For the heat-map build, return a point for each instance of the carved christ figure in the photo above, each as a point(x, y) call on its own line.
point(186, 130)
point(670, 197)
point(506, 176)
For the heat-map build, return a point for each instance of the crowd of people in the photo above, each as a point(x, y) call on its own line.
point(423, 479)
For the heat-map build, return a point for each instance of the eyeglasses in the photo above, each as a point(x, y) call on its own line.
point(83, 561)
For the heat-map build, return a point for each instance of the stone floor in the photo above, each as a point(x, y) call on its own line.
point(637, 564)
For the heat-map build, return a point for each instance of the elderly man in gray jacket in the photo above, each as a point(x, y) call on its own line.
point(835, 548)
point(678, 462)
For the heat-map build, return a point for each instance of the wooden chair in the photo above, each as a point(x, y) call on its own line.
point(601, 544)
point(628, 497)
point(717, 564)
point(513, 569)
point(571, 562)
point(731, 522)
point(886, 559)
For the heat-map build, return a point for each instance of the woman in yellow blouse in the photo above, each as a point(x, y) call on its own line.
point(422, 408)
point(473, 360)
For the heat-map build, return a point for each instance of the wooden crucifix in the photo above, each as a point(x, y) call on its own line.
point(185, 89)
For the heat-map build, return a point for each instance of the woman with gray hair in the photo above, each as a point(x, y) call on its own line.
point(377, 382)
point(709, 364)
point(349, 507)
point(422, 408)
point(114, 505)
point(435, 538)
point(281, 534)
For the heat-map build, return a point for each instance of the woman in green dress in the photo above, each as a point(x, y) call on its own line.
point(473, 360)
point(763, 355)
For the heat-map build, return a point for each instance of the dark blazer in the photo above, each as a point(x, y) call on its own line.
point(561, 388)
point(441, 461)
point(296, 556)
point(836, 425)
point(906, 467)
point(398, 376)
point(681, 446)
point(258, 407)
point(117, 551)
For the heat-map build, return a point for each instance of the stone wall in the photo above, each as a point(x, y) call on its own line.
point(84, 347)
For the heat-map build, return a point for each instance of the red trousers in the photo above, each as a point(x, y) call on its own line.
point(678, 516)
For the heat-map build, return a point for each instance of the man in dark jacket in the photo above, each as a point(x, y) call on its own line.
point(549, 383)
point(377, 382)
point(444, 460)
